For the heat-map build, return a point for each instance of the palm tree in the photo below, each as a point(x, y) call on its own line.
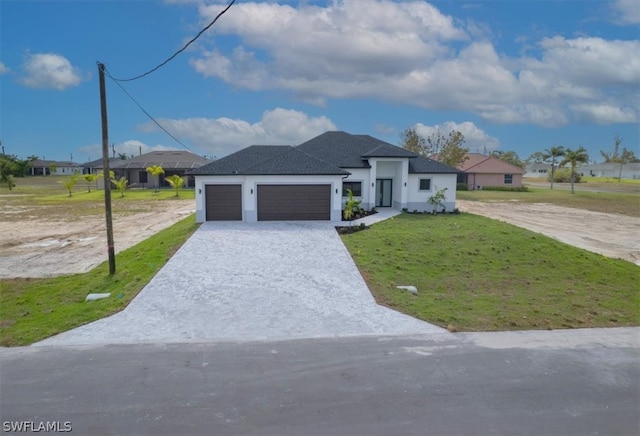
point(155, 170)
point(121, 185)
point(90, 178)
point(176, 183)
point(553, 153)
point(573, 158)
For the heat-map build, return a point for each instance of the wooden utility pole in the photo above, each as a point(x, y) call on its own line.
point(106, 170)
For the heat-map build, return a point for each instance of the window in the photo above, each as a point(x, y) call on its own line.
point(142, 176)
point(425, 184)
point(356, 188)
point(508, 179)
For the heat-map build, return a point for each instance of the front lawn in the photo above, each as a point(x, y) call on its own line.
point(478, 274)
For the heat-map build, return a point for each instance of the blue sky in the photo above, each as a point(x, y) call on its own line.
point(510, 75)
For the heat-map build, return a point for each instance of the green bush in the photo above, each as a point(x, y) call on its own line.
point(563, 175)
point(462, 187)
point(506, 188)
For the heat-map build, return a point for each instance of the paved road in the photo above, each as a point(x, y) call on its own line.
point(583, 382)
point(240, 281)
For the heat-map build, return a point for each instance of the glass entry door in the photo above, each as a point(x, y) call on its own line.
point(383, 192)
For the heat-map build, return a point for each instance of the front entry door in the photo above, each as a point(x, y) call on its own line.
point(383, 192)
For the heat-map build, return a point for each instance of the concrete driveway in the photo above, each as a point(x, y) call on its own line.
point(240, 281)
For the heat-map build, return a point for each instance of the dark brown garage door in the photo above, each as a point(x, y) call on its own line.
point(223, 202)
point(294, 202)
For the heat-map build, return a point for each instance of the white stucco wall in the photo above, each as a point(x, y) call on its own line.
point(250, 189)
point(417, 199)
point(361, 175)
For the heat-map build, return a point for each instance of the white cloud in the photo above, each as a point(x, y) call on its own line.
point(411, 53)
point(3, 68)
point(132, 147)
point(49, 71)
point(222, 136)
point(475, 138)
point(626, 11)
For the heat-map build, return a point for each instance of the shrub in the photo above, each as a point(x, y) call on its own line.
point(506, 188)
point(563, 175)
point(462, 187)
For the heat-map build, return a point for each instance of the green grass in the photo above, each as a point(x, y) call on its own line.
point(34, 309)
point(611, 180)
point(607, 202)
point(478, 274)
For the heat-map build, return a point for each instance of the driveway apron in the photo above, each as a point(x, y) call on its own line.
point(262, 281)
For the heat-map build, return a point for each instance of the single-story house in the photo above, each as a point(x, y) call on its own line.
point(538, 170)
point(95, 166)
point(480, 170)
point(310, 181)
point(42, 167)
point(628, 171)
point(172, 162)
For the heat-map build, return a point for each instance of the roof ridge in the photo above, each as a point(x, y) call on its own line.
point(262, 162)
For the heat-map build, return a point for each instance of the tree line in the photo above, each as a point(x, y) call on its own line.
point(449, 149)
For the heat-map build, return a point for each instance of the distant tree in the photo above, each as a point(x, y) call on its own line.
point(122, 156)
point(410, 140)
point(176, 183)
point(622, 158)
point(446, 149)
point(573, 158)
point(121, 184)
point(90, 178)
point(551, 156)
point(510, 157)
point(537, 157)
point(69, 183)
point(155, 170)
point(7, 170)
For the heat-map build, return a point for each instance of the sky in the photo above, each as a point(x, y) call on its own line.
point(510, 75)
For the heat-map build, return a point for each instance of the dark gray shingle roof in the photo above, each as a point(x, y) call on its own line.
point(167, 159)
point(269, 160)
point(424, 165)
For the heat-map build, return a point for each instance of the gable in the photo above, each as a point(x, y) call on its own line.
point(481, 164)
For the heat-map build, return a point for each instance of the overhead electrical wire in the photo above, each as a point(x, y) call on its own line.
point(117, 80)
point(143, 110)
point(179, 51)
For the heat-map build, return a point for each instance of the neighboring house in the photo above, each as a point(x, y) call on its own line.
point(480, 171)
point(95, 166)
point(629, 171)
point(172, 161)
point(538, 170)
point(310, 181)
point(41, 167)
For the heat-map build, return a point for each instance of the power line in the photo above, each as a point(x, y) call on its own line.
point(179, 51)
point(143, 109)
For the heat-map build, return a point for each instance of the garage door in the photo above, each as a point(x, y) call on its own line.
point(294, 202)
point(223, 202)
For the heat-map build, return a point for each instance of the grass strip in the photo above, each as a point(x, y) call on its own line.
point(478, 274)
point(34, 309)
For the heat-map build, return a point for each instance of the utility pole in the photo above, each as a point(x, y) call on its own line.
point(106, 170)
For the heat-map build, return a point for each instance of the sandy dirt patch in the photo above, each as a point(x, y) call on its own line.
point(41, 245)
point(611, 235)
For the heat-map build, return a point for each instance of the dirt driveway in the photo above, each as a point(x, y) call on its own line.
point(41, 243)
point(612, 235)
